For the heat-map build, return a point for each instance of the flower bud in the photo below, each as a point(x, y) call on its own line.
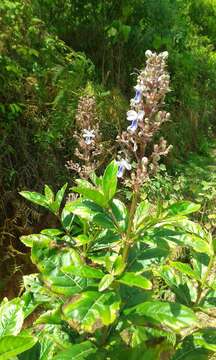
point(148, 53)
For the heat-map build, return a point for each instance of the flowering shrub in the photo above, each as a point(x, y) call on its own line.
point(112, 283)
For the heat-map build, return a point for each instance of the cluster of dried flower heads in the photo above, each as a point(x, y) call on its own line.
point(146, 118)
point(89, 146)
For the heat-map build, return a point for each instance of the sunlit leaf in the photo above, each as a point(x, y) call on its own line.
point(11, 317)
point(92, 310)
point(105, 282)
point(13, 345)
point(173, 315)
point(132, 279)
point(110, 180)
point(77, 352)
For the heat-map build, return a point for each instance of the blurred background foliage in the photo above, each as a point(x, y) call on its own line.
point(53, 51)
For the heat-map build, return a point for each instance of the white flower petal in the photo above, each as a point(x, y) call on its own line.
point(131, 115)
point(126, 164)
point(140, 115)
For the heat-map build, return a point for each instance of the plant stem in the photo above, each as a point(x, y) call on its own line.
point(205, 278)
point(130, 224)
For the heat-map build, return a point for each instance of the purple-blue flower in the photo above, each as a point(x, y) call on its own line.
point(122, 165)
point(138, 95)
point(88, 136)
point(134, 117)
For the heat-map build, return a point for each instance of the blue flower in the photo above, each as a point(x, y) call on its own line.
point(134, 117)
point(122, 165)
point(138, 95)
point(88, 136)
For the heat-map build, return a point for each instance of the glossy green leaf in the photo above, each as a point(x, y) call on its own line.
point(50, 261)
point(81, 239)
point(92, 194)
point(209, 300)
point(132, 279)
point(105, 282)
point(182, 208)
point(142, 211)
point(118, 265)
point(29, 240)
point(36, 198)
point(48, 194)
point(90, 211)
point(11, 317)
point(206, 338)
point(104, 221)
point(179, 284)
point(52, 232)
point(97, 181)
point(83, 271)
point(200, 263)
point(60, 195)
point(77, 352)
point(200, 345)
point(180, 237)
point(83, 208)
point(13, 345)
point(67, 219)
point(173, 315)
point(185, 269)
point(92, 310)
point(110, 180)
point(120, 213)
point(50, 317)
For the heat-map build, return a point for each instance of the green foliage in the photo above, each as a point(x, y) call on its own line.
point(98, 285)
point(12, 341)
point(127, 29)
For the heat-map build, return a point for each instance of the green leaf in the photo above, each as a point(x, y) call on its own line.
point(103, 220)
point(13, 345)
point(84, 208)
point(67, 219)
point(77, 352)
point(118, 265)
point(120, 213)
point(185, 269)
point(83, 271)
point(142, 211)
point(52, 232)
point(97, 181)
point(81, 239)
point(132, 279)
point(173, 315)
point(110, 180)
point(35, 197)
point(206, 338)
point(60, 195)
point(92, 194)
point(180, 284)
point(11, 317)
point(28, 240)
point(209, 300)
point(50, 317)
point(105, 282)
point(180, 237)
point(200, 345)
point(48, 194)
point(90, 211)
point(92, 310)
point(200, 263)
point(182, 208)
point(50, 261)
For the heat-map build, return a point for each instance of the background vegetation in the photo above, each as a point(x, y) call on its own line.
point(53, 51)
